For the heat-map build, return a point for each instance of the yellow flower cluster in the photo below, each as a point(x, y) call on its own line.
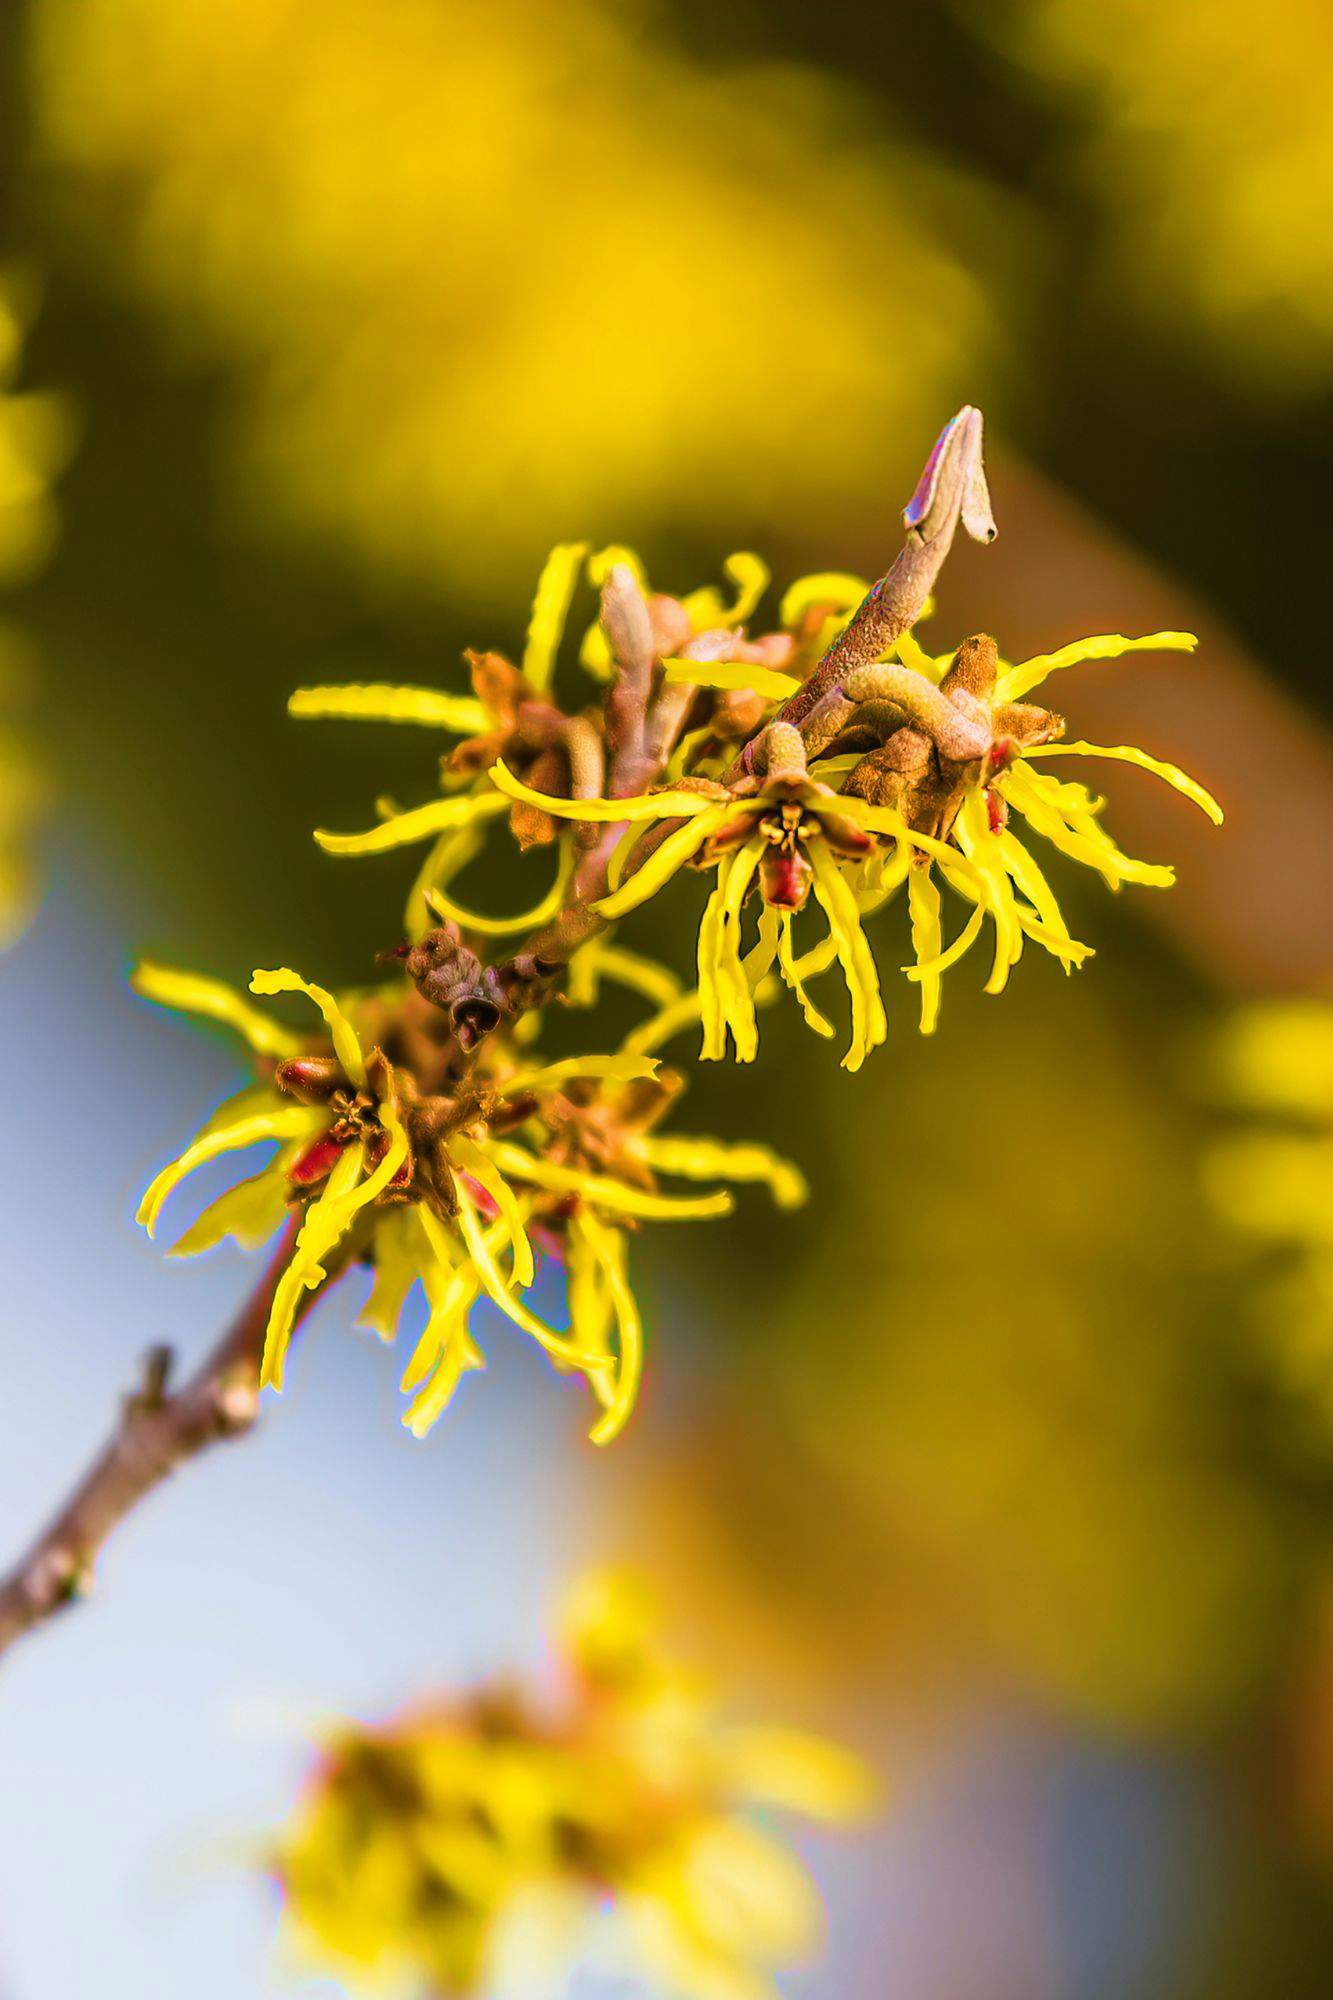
point(456, 1187)
point(1274, 1181)
point(893, 826)
point(487, 1846)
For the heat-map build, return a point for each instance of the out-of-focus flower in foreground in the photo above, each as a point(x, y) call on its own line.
point(1274, 1181)
point(487, 1845)
point(394, 1151)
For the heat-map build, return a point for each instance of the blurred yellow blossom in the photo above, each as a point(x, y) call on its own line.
point(1208, 141)
point(488, 1844)
point(1274, 1181)
point(481, 270)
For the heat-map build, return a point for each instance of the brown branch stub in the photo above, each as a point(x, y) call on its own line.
point(157, 1431)
point(952, 488)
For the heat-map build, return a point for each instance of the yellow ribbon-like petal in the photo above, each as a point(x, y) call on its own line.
point(449, 911)
point(651, 805)
point(664, 862)
point(749, 574)
point(923, 903)
point(483, 1262)
point(834, 588)
point(378, 701)
point(325, 1223)
point(550, 608)
point(1017, 681)
point(616, 1197)
point(482, 1170)
point(869, 1023)
point(284, 1122)
point(608, 1246)
point(715, 1159)
point(402, 829)
point(630, 968)
point(577, 1069)
point(1127, 753)
point(212, 1000)
point(346, 1041)
point(793, 977)
point(729, 674)
point(251, 1212)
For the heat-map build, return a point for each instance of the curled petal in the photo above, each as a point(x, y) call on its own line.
point(212, 1000)
point(449, 911)
point(664, 862)
point(550, 608)
point(1020, 680)
point(923, 903)
point(730, 674)
point(616, 1197)
point(285, 1122)
point(869, 1022)
point(346, 1041)
point(577, 1069)
point(608, 1248)
point(714, 1159)
point(1128, 753)
point(649, 805)
point(833, 589)
point(402, 829)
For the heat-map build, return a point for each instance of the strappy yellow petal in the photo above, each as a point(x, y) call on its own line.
point(960, 947)
point(650, 805)
point(913, 654)
point(473, 1161)
point(482, 1257)
point(576, 1069)
point(726, 998)
point(346, 1041)
point(869, 1023)
point(378, 701)
point(212, 1000)
point(714, 1159)
point(250, 1212)
point(1074, 829)
point(449, 1349)
point(616, 1197)
point(1127, 753)
point(448, 911)
point(396, 1267)
point(608, 1247)
point(883, 819)
point(669, 1021)
point(835, 588)
point(664, 862)
point(983, 851)
point(749, 574)
point(449, 855)
point(1017, 681)
point(923, 903)
point(402, 829)
point(550, 608)
point(728, 674)
point(285, 1122)
point(324, 1225)
point(793, 977)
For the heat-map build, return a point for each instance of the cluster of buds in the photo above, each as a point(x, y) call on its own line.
point(819, 768)
point(489, 1845)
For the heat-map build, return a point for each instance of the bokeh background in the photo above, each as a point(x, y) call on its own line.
point(981, 1462)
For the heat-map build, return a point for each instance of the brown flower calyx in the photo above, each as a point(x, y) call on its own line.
point(551, 751)
point(915, 769)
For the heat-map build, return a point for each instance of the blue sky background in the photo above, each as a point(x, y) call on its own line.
point(331, 1564)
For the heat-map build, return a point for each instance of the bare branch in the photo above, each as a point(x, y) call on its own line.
point(157, 1432)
